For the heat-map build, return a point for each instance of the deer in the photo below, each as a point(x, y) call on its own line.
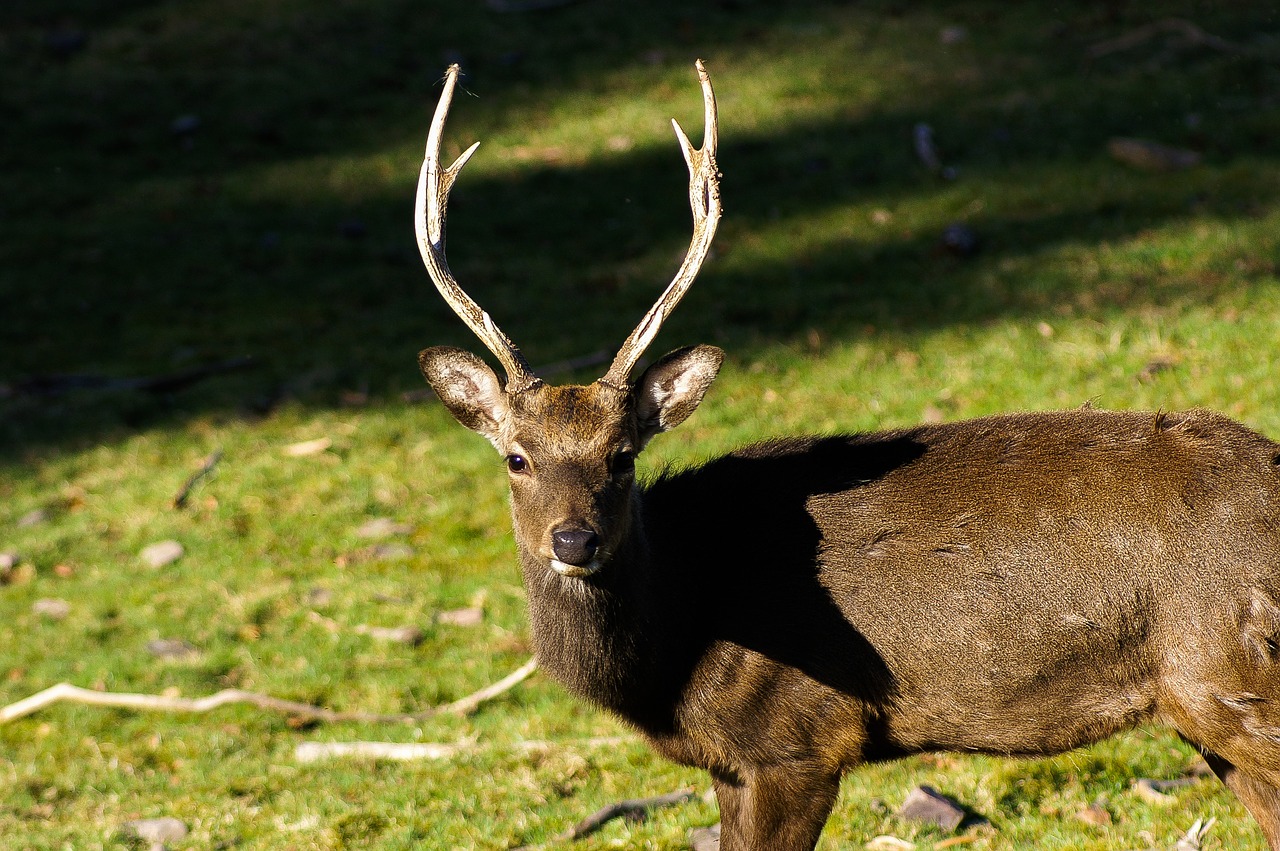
point(1021, 584)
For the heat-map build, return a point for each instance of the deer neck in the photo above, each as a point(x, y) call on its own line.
point(606, 637)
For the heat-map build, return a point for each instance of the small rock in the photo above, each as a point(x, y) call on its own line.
point(1156, 791)
point(184, 125)
point(64, 571)
point(65, 43)
point(926, 150)
point(353, 229)
point(1146, 155)
point(162, 553)
point(1155, 366)
point(52, 608)
point(889, 843)
point(1096, 813)
point(19, 574)
point(392, 552)
point(926, 804)
point(8, 560)
point(705, 838)
point(411, 635)
point(171, 648)
point(960, 240)
point(308, 447)
point(383, 527)
point(470, 616)
point(33, 518)
point(157, 831)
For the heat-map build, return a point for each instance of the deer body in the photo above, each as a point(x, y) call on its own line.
point(1022, 584)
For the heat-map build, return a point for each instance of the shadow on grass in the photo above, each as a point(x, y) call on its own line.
point(327, 295)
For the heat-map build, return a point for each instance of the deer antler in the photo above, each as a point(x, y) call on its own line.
point(704, 199)
point(434, 184)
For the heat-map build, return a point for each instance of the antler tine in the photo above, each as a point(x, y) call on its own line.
point(434, 184)
point(704, 200)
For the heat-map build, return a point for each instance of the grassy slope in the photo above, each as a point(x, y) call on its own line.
point(279, 229)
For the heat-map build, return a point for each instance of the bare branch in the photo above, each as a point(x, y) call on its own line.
point(181, 497)
point(316, 751)
point(1191, 33)
point(160, 703)
point(632, 808)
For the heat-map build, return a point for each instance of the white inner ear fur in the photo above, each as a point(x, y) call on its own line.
point(478, 393)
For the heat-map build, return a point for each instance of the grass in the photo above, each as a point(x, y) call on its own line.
point(202, 181)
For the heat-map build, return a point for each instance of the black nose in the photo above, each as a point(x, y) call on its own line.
point(575, 544)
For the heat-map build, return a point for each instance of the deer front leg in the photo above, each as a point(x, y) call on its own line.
point(776, 808)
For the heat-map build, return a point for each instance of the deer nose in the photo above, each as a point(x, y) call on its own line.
point(574, 544)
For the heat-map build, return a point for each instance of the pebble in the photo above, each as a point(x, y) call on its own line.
point(52, 608)
point(383, 527)
point(171, 648)
point(926, 804)
point(392, 552)
point(162, 553)
point(411, 635)
point(157, 831)
point(470, 616)
point(33, 518)
point(889, 843)
point(185, 125)
point(1146, 155)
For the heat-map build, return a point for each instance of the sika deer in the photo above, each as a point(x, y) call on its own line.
point(1020, 584)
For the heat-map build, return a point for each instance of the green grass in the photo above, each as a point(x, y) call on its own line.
point(279, 228)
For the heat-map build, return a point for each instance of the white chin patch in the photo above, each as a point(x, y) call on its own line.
point(579, 571)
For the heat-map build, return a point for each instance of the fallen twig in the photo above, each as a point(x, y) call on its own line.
point(181, 497)
point(161, 703)
point(1191, 840)
point(1178, 26)
point(316, 751)
point(622, 809)
point(526, 5)
point(170, 382)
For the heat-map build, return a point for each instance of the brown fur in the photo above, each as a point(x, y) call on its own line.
point(1021, 584)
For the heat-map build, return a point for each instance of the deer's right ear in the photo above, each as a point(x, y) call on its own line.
point(467, 387)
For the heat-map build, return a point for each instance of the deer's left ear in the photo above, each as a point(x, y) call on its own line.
point(467, 387)
point(671, 389)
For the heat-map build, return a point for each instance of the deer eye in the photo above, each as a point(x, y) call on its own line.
point(517, 464)
point(624, 462)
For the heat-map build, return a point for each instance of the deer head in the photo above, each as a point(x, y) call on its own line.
point(570, 450)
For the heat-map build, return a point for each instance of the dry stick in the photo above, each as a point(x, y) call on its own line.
point(1192, 33)
point(316, 751)
point(633, 807)
point(160, 703)
point(181, 497)
point(169, 382)
point(630, 808)
point(526, 5)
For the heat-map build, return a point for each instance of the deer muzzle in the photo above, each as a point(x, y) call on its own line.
point(576, 550)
